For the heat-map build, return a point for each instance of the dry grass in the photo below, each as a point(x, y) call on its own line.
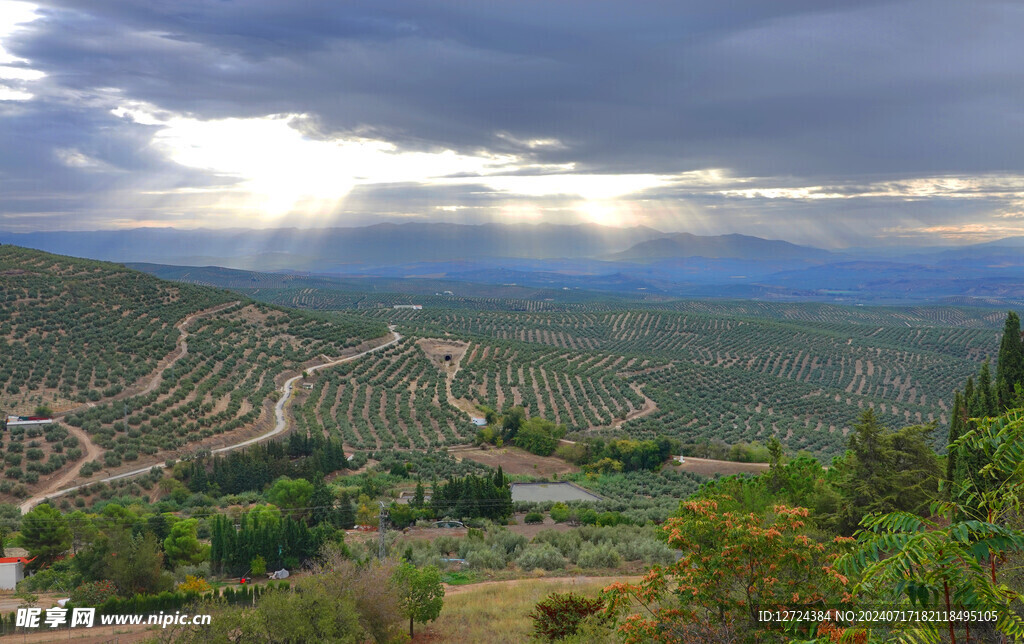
point(711, 467)
point(496, 612)
point(515, 461)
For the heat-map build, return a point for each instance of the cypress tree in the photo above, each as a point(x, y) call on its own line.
point(322, 502)
point(985, 403)
point(1010, 368)
point(956, 429)
point(346, 513)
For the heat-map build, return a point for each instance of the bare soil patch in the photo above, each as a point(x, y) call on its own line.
point(445, 354)
point(711, 467)
point(514, 460)
point(530, 530)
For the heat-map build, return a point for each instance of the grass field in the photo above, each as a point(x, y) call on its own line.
point(496, 612)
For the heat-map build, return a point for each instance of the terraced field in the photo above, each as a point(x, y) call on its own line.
point(228, 381)
point(720, 377)
point(395, 398)
point(580, 389)
point(103, 348)
point(101, 341)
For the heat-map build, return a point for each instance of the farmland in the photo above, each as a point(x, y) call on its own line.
point(102, 347)
point(697, 371)
point(801, 372)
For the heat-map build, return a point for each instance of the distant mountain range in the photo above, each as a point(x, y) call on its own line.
point(733, 246)
point(625, 261)
point(333, 248)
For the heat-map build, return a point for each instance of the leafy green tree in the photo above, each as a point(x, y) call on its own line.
point(290, 494)
point(135, 563)
point(368, 513)
point(512, 422)
point(45, 534)
point(951, 563)
point(733, 565)
point(182, 545)
point(420, 593)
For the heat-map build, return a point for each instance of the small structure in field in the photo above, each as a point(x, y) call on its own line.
point(415, 307)
point(479, 422)
point(561, 491)
point(12, 570)
point(449, 523)
point(27, 421)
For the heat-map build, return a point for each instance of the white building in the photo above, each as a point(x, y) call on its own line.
point(479, 422)
point(12, 570)
point(27, 421)
point(416, 307)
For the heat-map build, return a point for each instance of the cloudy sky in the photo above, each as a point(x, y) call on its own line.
point(830, 122)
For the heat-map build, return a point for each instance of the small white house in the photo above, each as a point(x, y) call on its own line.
point(12, 570)
point(479, 422)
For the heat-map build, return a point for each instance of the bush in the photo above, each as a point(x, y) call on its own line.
point(485, 558)
point(193, 584)
point(560, 513)
point(559, 616)
point(544, 556)
point(600, 556)
point(59, 575)
point(94, 593)
point(184, 571)
point(534, 517)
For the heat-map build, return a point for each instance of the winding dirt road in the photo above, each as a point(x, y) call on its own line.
point(54, 490)
point(93, 451)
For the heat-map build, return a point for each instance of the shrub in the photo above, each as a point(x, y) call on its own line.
point(544, 556)
point(485, 558)
point(601, 556)
point(193, 584)
point(559, 616)
point(534, 517)
point(93, 593)
point(560, 513)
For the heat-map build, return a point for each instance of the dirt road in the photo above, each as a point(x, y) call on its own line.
point(54, 490)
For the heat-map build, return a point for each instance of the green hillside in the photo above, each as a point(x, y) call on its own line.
point(95, 343)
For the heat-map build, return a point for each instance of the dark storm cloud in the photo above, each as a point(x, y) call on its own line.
point(761, 88)
point(804, 92)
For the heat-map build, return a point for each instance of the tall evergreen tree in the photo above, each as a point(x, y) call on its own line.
point(420, 497)
point(322, 504)
point(346, 512)
point(985, 396)
point(1010, 368)
point(884, 471)
point(957, 427)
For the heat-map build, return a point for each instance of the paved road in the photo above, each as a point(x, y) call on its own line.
point(280, 426)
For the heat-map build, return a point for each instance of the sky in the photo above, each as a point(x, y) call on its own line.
point(834, 123)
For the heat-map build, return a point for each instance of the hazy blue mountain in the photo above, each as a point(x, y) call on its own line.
point(719, 246)
point(333, 248)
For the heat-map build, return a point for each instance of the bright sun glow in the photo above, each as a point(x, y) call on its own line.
point(271, 169)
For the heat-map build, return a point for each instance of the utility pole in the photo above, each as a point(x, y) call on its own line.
point(382, 523)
